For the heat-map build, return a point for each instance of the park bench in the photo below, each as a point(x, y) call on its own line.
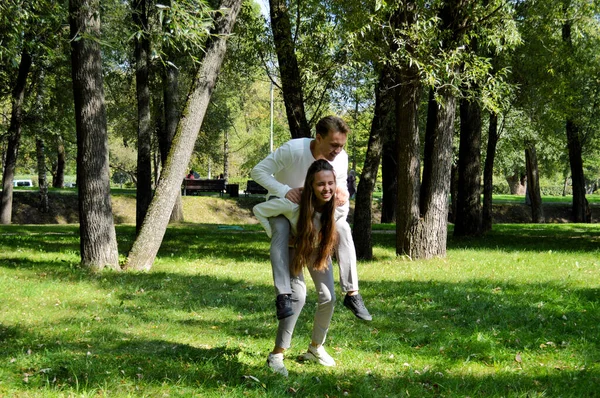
point(254, 187)
point(194, 185)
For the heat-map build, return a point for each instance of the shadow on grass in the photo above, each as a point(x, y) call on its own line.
point(427, 339)
point(520, 237)
point(440, 326)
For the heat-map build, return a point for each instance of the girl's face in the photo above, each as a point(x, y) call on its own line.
point(324, 186)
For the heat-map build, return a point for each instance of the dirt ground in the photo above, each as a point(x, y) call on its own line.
point(225, 210)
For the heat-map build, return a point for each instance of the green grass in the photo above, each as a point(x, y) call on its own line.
point(513, 314)
point(567, 199)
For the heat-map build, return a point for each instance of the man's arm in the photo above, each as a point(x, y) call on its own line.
point(263, 172)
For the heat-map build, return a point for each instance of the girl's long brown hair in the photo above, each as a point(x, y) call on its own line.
point(309, 238)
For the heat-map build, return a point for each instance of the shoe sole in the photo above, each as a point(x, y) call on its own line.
point(370, 318)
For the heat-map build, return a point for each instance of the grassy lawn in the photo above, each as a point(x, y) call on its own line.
point(567, 199)
point(512, 314)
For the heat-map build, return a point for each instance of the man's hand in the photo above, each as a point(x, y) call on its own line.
point(341, 196)
point(294, 195)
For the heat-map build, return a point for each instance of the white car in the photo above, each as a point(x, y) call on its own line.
point(22, 183)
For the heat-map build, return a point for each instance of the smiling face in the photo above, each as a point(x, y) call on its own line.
point(324, 186)
point(329, 146)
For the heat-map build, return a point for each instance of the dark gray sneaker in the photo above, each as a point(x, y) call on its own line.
point(357, 306)
point(284, 306)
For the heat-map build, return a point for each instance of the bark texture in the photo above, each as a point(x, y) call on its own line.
point(389, 167)
point(467, 221)
point(361, 232)
point(149, 239)
point(533, 184)
point(98, 240)
point(14, 138)
point(426, 236)
point(58, 169)
point(488, 173)
point(144, 136)
point(167, 133)
point(291, 84)
point(409, 225)
point(581, 208)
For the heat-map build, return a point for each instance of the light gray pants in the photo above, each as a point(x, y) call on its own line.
point(280, 257)
point(323, 281)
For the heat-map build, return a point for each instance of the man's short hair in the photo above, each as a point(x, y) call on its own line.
point(331, 124)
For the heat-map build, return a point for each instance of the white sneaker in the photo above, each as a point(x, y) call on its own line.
point(275, 362)
point(318, 354)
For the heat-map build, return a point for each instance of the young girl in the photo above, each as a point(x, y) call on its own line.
point(312, 248)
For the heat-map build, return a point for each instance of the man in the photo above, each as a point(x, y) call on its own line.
point(282, 173)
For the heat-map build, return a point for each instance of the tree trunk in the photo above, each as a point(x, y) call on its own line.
point(291, 85)
point(389, 167)
point(98, 241)
point(361, 232)
point(467, 220)
point(58, 173)
point(453, 192)
point(409, 224)
point(424, 235)
point(565, 185)
point(14, 138)
point(516, 183)
point(427, 235)
point(165, 139)
point(488, 173)
point(581, 209)
point(42, 181)
point(144, 137)
point(148, 241)
point(533, 184)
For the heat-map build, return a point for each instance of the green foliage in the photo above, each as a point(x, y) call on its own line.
point(413, 33)
point(558, 77)
point(511, 314)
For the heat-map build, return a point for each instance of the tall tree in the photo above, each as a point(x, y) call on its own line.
point(467, 220)
point(488, 172)
point(389, 176)
point(140, 12)
point(291, 85)
point(556, 69)
point(14, 137)
point(167, 133)
point(533, 183)
point(98, 241)
point(170, 77)
point(581, 210)
point(384, 100)
point(148, 241)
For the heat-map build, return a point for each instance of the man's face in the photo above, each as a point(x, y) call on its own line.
point(330, 146)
